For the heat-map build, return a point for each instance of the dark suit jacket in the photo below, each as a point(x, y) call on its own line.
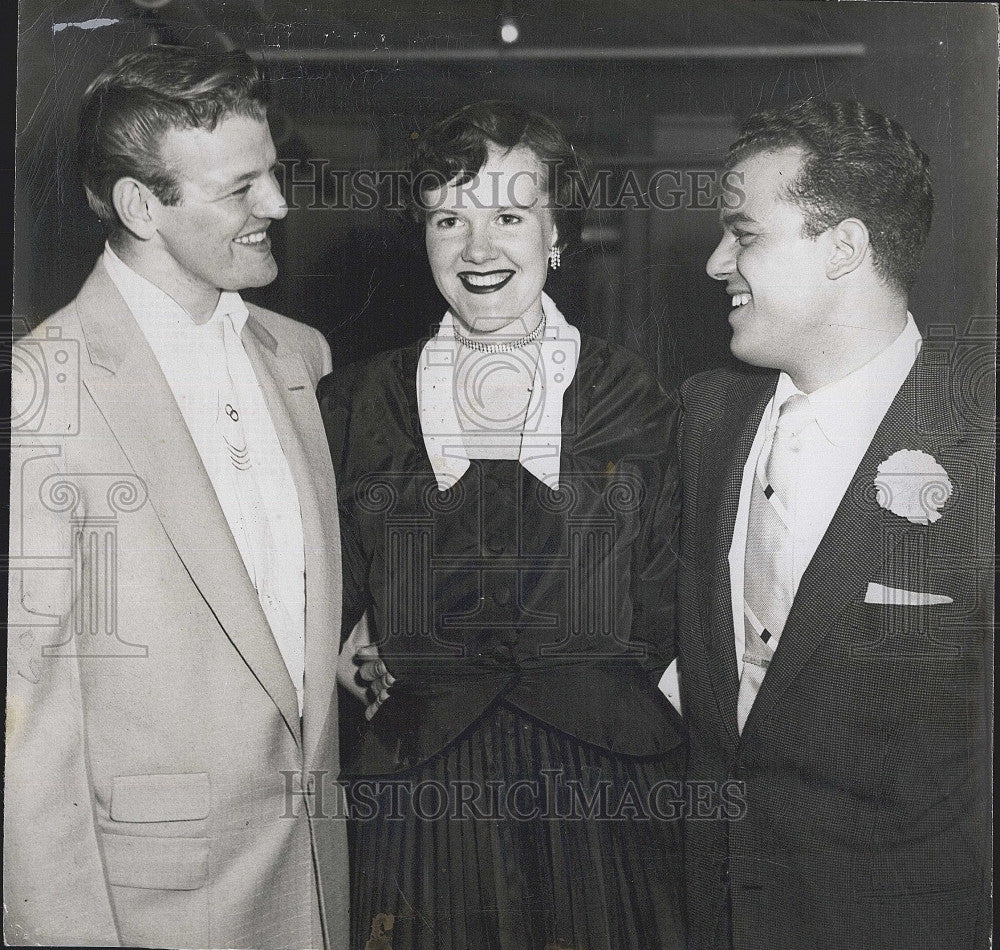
point(857, 810)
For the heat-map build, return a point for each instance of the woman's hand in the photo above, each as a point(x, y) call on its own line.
point(376, 676)
point(361, 672)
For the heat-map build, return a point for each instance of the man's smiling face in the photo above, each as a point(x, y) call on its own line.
point(215, 237)
point(775, 274)
point(488, 241)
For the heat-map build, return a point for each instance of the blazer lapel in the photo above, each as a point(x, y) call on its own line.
point(138, 405)
point(852, 550)
point(290, 395)
point(728, 447)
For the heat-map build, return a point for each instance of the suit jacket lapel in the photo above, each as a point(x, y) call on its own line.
point(728, 447)
point(290, 395)
point(852, 550)
point(138, 405)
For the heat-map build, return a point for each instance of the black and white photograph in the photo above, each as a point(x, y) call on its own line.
point(502, 475)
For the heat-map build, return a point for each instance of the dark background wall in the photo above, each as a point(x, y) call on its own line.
point(640, 87)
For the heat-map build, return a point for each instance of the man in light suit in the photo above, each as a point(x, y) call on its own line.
point(835, 593)
point(175, 575)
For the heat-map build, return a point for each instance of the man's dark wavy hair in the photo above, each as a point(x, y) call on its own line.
point(457, 146)
point(857, 164)
point(127, 109)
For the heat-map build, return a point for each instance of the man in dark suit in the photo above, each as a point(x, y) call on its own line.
point(836, 587)
point(175, 589)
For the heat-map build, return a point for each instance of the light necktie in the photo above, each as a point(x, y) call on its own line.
point(271, 549)
point(768, 578)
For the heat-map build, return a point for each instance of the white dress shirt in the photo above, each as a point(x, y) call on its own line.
point(848, 412)
point(541, 442)
point(212, 380)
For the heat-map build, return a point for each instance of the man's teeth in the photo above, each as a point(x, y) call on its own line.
point(254, 238)
point(484, 280)
point(740, 299)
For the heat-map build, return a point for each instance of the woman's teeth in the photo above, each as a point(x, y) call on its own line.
point(485, 280)
point(740, 299)
point(254, 238)
point(485, 283)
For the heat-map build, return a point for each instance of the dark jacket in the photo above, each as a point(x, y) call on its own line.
point(862, 806)
point(558, 602)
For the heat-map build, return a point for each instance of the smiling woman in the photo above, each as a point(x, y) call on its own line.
point(508, 500)
point(489, 242)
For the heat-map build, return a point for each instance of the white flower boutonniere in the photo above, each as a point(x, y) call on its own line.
point(912, 484)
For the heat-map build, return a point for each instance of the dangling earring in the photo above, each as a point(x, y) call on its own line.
point(555, 257)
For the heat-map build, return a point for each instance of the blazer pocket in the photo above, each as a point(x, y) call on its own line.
point(900, 597)
point(177, 864)
point(184, 796)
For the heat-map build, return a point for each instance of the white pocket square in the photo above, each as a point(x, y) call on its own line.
point(898, 597)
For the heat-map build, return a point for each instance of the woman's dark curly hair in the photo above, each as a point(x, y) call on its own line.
point(456, 148)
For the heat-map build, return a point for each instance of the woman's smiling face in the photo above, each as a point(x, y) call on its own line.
point(488, 242)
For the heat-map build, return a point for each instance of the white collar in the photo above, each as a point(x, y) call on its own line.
point(156, 312)
point(541, 447)
point(851, 409)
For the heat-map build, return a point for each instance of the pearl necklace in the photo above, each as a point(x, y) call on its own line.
point(502, 347)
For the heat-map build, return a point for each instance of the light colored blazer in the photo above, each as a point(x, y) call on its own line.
point(155, 752)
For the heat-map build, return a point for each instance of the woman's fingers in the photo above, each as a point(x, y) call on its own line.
point(356, 647)
point(374, 706)
point(379, 688)
point(362, 672)
point(373, 672)
point(376, 672)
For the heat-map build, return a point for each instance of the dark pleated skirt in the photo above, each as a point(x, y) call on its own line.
point(518, 837)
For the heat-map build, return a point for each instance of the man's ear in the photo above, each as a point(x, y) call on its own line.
point(851, 245)
point(134, 203)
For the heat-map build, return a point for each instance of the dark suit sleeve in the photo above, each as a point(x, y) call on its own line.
point(655, 555)
point(628, 428)
point(335, 394)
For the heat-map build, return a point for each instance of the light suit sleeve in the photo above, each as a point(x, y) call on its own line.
point(54, 884)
